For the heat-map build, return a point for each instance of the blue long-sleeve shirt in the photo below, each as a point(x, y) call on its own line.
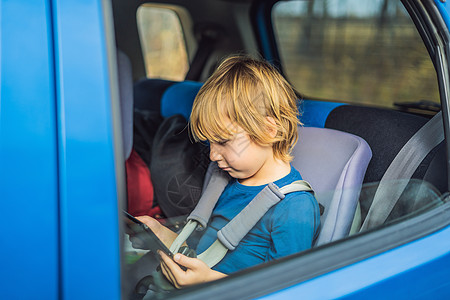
point(287, 228)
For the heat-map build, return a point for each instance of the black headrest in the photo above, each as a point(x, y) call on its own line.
point(387, 131)
point(148, 93)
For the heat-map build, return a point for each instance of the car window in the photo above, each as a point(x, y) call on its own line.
point(162, 41)
point(355, 51)
point(335, 50)
point(416, 197)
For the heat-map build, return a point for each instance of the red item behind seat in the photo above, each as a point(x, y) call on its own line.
point(140, 187)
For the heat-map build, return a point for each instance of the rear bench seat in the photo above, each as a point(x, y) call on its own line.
point(386, 131)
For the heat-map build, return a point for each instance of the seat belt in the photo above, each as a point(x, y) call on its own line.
point(206, 45)
point(231, 234)
point(403, 167)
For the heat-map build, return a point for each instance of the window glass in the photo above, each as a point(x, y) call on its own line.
point(356, 51)
point(162, 42)
point(407, 199)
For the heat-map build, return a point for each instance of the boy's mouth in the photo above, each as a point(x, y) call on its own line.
point(225, 168)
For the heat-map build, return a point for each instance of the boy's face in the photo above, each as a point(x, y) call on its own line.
point(242, 158)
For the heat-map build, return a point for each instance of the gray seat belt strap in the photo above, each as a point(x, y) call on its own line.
point(199, 217)
point(232, 233)
point(214, 254)
point(297, 186)
point(185, 233)
point(403, 167)
point(203, 209)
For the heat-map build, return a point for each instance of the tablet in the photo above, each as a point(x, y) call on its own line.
point(142, 231)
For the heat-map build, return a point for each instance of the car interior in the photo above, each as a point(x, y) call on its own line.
point(366, 81)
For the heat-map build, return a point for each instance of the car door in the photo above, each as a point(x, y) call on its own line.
point(28, 152)
point(61, 164)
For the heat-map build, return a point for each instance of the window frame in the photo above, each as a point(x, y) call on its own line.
point(311, 264)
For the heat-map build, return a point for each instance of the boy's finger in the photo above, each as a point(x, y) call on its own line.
point(175, 269)
point(185, 261)
point(168, 274)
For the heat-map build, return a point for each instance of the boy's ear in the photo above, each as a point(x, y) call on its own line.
point(272, 127)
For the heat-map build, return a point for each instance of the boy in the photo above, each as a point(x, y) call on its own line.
point(248, 113)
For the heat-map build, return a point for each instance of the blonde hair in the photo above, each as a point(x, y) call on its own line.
point(246, 91)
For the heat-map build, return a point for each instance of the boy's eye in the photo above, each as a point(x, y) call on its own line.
point(222, 142)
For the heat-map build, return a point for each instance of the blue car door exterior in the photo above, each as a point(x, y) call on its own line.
point(60, 236)
point(28, 153)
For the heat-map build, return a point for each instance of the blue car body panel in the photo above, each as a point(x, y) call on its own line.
point(58, 179)
point(444, 10)
point(28, 155)
point(88, 196)
point(424, 262)
point(57, 154)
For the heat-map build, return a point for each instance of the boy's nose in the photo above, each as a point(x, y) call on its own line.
point(214, 155)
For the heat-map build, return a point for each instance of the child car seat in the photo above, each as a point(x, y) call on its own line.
point(334, 163)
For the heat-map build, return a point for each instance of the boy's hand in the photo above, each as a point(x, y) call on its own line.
point(166, 235)
point(197, 271)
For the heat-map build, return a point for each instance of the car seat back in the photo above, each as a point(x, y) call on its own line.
point(179, 98)
point(124, 73)
point(148, 93)
point(387, 131)
point(334, 163)
point(180, 164)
